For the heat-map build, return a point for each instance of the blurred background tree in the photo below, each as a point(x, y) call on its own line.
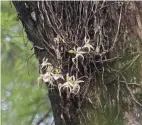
point(23, 103)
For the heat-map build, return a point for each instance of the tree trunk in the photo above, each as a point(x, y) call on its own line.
point(94, 42)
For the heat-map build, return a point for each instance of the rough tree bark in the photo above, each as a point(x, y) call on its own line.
point(103, 39)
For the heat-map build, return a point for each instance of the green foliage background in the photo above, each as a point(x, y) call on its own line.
point(22, 101)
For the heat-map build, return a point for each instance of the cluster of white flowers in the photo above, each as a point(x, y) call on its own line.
point(71, 85)
point(78, 51)
point(49, 76)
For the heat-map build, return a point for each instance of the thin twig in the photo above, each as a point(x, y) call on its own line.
point(131, 93)
point(118, 29)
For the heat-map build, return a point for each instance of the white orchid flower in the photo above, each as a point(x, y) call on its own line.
point(49, 77)
point(78, 52)
point(72, 85)
point(45, 63)
point(87, 44)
